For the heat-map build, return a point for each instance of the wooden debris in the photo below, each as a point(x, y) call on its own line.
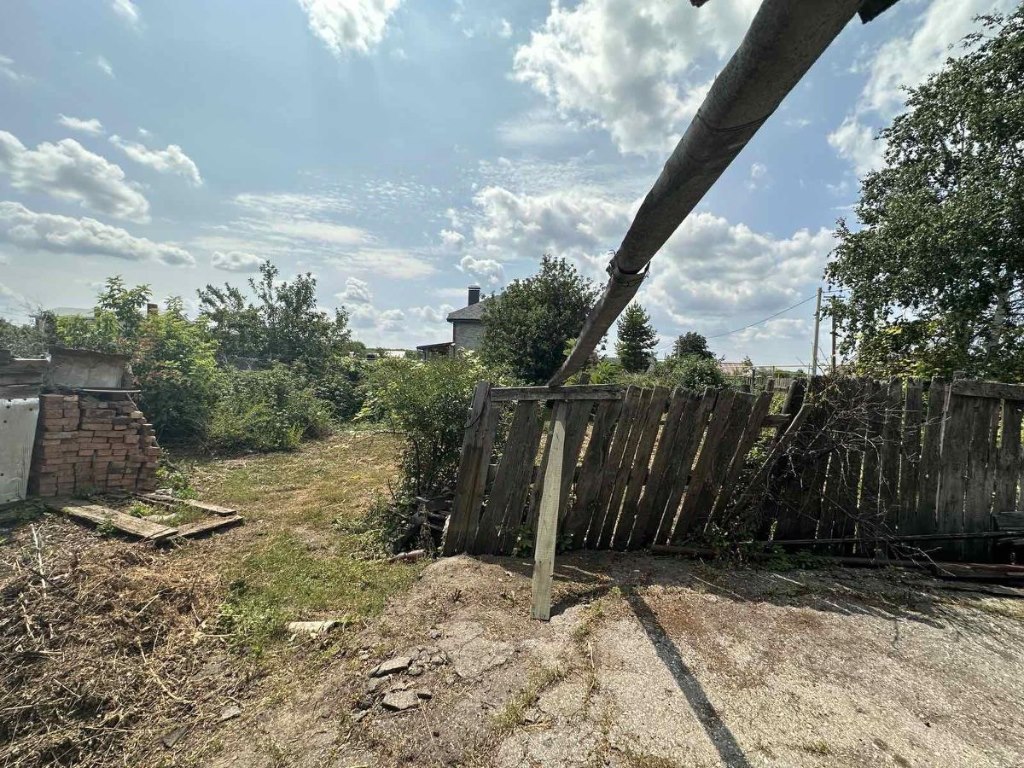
point(161, 498)
point(408, 557)
point(94, 513)
point(200, 527)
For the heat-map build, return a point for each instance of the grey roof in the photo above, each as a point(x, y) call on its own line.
point(473, 313)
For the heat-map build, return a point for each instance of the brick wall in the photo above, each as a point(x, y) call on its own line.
point(86, 444)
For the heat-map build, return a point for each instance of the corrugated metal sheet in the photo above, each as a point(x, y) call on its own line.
point(18, 417)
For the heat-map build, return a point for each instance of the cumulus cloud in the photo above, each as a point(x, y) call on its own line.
point(758, 175)
point(349, 25)
point(485, 270)
point(68, 171)
point(637, 70)
point(104, 66)
point(91, 126)
point(32, 231)
point(431, 314)
point(904, 61)
point(452, 239)
point(235, 261)
point(127, 11)
point(504, 29)
point(713, 274)
point(171, 160)
point(356, 292)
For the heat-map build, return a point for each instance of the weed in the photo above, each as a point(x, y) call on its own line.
point(513, 714)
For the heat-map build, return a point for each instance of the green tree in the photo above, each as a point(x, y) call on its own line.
point(637, 338)
point(691, 343)
point(933, 278)
point(283, 325)
point(114, 326)
point(527, 326)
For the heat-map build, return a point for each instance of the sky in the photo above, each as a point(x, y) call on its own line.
point(401, 150)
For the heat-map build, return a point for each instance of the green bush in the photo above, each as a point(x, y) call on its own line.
point(175, 366)
point(427, 403)
point(341, 385)
point(691, 372)
point(269, 410)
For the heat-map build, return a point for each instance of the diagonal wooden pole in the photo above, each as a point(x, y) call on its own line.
point(547, 518)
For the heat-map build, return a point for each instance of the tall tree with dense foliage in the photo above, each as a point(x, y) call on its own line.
point(934, 279)
point(527, 326)
point(690, 344)
point(114, 326)
point(637, 337)
point(284, 324)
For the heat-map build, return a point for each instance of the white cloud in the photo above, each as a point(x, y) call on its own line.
point(68, 171)
point(904, 61)
point(32, 231)
point(638, 70)
point(235, 261)
point(542, 127)
point(171, 160)
point(452, 239)
point(758, 176)
point(431, 314)
point(712, 275)
point(7, 69)
point(127, 10)
point(91, 126)
point(104, 66)
point(504, 29)
point(356, 292)
point(349, 25)
point(485, 270)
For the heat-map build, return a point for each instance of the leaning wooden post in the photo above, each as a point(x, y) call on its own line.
point(547, 518)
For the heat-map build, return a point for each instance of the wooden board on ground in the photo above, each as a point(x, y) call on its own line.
point(199, 527)
point(100, 515)
point(203, 506)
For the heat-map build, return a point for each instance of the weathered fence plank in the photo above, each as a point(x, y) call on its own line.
point(508, 479)
point(648, 514)
point(521, 478)
point(991, 389)
point(622, 473)
point(628, 416)
point(472, 471)
point(1009, 462)
point(889, 464)
point(751, 432)
point(589, 485)
point(867, 509)
point(980, 481)
point(929, 470)
point(638, 474)
point(910, 458)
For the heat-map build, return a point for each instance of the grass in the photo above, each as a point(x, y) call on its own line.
point(513, 714)
point(294, 560)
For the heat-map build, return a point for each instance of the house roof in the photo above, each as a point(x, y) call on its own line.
point(473, 313)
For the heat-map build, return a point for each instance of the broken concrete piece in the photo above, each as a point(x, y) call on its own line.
point(399, 701)
point(230, 712)
point(312, 627)
point(391, 666)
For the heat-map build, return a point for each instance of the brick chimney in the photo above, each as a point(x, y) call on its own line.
point(152, 309)
point(474, 294)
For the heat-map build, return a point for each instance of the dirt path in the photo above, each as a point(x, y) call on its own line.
point(653, 662)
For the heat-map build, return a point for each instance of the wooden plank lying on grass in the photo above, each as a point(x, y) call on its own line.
point(215, 509)
point(100, 515)
point(200, 527)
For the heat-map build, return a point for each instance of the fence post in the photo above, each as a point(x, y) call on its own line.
point(547, 519)
point(469, 485)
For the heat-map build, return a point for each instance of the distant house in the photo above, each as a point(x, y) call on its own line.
point(467, 328)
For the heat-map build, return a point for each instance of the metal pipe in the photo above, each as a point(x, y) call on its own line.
point(784, 40)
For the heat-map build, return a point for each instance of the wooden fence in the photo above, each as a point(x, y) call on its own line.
point(842, 465)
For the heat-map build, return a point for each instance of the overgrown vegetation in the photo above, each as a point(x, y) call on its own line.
point(933, 277)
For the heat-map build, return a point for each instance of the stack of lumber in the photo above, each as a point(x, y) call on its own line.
point(87, 444)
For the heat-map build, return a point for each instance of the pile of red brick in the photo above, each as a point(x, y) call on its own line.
point(86, 444)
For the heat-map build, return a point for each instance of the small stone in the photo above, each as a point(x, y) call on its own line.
point(230, 712)
point(400, 701)
point(391, 666)
point(414, 670)
point(360, 715)
point(375, 685)
point(435, 633)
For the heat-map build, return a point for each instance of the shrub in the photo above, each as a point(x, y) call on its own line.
point(427, 403)
point(690, 372)
point(175, 365)
point(341, 385)
point(268, 410)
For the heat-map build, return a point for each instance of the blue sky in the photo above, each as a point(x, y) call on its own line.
point(403, 149)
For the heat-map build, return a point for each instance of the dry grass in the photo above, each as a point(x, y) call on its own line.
point(106, 645)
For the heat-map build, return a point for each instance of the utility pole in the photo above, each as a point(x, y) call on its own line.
point(817, 325)
point(832, 316)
